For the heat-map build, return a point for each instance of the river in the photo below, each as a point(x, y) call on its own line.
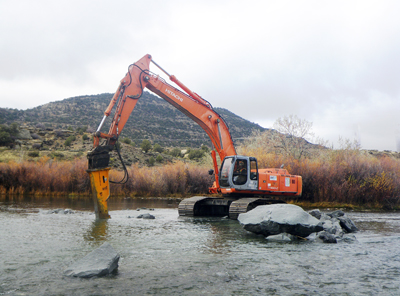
point(174, 255)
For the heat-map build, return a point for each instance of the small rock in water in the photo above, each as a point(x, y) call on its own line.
point(327, 237)
point(315, 213)
point(100, 262)
point(61, 211)
point(146, 216)
point(336, 214)
point(56, 211)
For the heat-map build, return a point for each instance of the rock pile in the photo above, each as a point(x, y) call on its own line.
point(337, 227)
point(293, 222)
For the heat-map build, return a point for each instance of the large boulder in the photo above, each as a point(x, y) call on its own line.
point(280, 218)
point(100, 262)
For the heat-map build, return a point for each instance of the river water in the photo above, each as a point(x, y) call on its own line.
point(174, 255)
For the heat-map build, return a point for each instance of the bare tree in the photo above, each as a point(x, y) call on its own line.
point(291, 135)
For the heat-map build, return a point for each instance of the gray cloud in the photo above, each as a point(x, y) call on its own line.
point(335, 64)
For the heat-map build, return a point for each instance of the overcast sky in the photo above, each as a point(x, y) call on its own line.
point(333, 63)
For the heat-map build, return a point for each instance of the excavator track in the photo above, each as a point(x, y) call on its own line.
point(220, 206)
point(244, 205)
point(204, 206)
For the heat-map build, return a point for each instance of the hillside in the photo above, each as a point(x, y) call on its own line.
point(152, 119)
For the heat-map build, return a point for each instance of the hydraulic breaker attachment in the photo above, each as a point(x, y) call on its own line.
point(100, 185)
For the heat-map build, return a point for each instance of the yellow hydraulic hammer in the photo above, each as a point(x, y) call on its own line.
point(100, 185)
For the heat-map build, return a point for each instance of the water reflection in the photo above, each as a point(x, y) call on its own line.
point(98, 231)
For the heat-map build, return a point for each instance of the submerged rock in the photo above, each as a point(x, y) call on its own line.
point(327, 237)
point(61, 211)
point(100, 262)
point(280, 218)
point(146, 216)
point(336, 214)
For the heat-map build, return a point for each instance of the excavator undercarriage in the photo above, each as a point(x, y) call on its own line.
point(221, 206)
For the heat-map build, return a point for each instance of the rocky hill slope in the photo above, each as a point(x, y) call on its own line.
point(153, 119)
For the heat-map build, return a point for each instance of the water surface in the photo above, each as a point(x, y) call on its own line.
point(174, 255)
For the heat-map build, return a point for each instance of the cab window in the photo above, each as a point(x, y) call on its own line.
point(253, 170)
point(224, 172)
point(240, 172)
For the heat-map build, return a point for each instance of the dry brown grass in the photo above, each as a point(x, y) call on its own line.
point(347, 176)
point(49, 177)
point(344, 177)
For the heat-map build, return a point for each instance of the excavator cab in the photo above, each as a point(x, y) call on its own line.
point(239, 172)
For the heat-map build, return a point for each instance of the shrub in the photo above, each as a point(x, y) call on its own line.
point(195, 154)
point(8, 134)
point(159, 158)
point(145, 146)
point(158, 148)
point(69, 140)
point(35, 136)
point(176, 152)
point(152, 161)
point(33, 154)
point(126, 141)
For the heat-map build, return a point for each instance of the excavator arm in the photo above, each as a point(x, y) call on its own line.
point(125, 98)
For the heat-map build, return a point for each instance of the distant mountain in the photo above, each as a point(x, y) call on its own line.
point(153, 119)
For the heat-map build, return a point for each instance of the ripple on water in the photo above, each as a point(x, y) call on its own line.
point(171, 255)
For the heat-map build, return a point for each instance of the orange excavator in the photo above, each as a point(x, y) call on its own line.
point(239, 184)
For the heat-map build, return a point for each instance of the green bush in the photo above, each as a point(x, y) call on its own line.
point(176, 152)
point(146, 146)
point(126, 141)
point(195, 154)
point(205, 148)
point(159, 158)
point(33, 154)
point(158, 148)
point(7, 133)
point(69, 140)
point(151, 161)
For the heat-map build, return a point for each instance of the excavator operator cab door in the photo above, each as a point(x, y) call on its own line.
point(239, 172)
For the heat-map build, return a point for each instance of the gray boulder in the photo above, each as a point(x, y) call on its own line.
point(332, 226)
point(336, 214)
point(315, 213)
point(348, 238)
point(347, 224)
point(100, 262)
point(327, 237)
point(280, 218)
point(146, 216)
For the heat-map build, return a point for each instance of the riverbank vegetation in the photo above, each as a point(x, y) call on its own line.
point(344, 177)
point(48, 177)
